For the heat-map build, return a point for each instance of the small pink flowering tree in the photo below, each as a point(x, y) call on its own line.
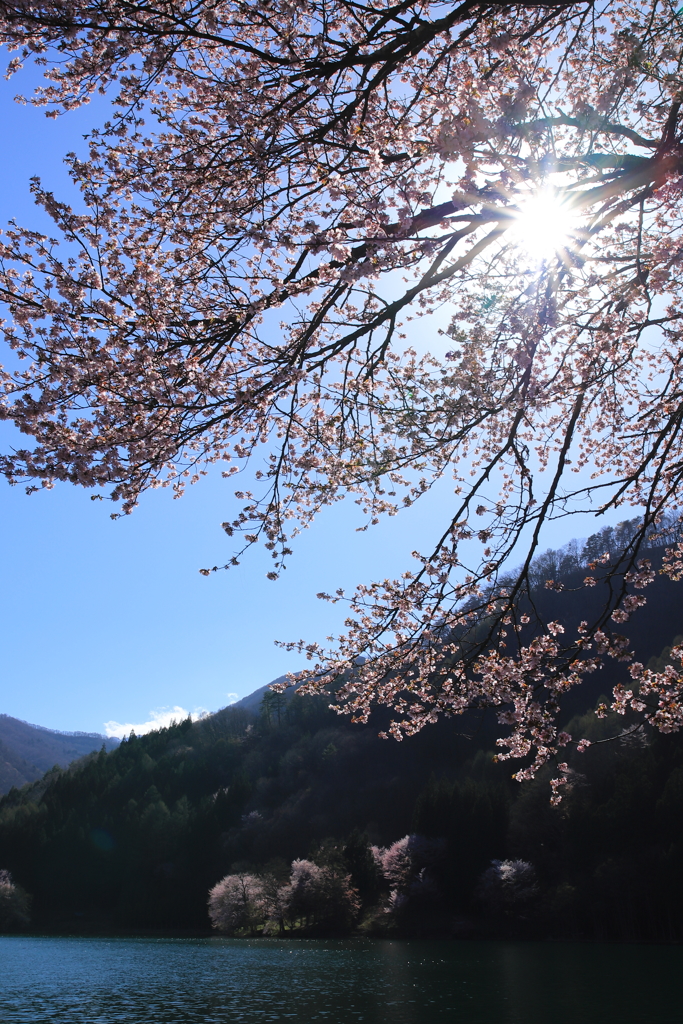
point(274, 901)
point(15, 904)
point(304, 889)
point(405, 866)
point(321, 896)
point(236, 902)
point(508, 887)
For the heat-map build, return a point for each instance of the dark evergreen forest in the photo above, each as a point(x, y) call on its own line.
point(134, 838)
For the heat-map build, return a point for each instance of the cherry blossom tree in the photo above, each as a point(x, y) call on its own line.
point(508, 887)
point(322, 896)
point(317, 234)
point(15, 904)
point(314, 895)
point(405, 867)
point(236, 902)
point(304, 886)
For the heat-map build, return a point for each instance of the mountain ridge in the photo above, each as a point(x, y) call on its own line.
point(27, 751)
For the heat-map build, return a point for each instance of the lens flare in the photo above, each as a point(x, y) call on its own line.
point(543, 226)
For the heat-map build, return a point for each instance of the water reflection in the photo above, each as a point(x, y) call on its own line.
point(223, 981)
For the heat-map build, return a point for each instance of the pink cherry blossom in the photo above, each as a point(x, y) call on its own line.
point(283, 199)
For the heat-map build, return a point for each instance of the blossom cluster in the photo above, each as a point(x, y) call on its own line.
point(313, 895)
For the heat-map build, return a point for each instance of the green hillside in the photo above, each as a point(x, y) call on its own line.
point(136, 837)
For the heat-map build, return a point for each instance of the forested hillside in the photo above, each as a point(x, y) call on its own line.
point(28, 751)
point(136, 837)
point(15, 770)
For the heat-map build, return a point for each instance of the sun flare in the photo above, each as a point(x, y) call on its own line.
point(544, 225)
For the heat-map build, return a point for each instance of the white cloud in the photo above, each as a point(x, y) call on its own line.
point(232, 697)
point(159, 719)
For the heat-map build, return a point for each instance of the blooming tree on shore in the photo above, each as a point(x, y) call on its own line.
point(322, 895)
point(236, 902)
point(508, 886)
point(15, 904)
point(405, 867)
point(314, 896)
point(283, 196)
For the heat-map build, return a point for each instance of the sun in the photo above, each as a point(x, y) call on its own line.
point(544, 225)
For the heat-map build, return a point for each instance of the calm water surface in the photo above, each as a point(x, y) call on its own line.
point(221, 981)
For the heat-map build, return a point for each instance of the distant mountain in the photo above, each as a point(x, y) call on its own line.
point(28, 751)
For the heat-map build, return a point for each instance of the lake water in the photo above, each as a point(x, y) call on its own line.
point(221, 981)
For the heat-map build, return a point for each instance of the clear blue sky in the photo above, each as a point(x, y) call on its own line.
point(110, 621)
